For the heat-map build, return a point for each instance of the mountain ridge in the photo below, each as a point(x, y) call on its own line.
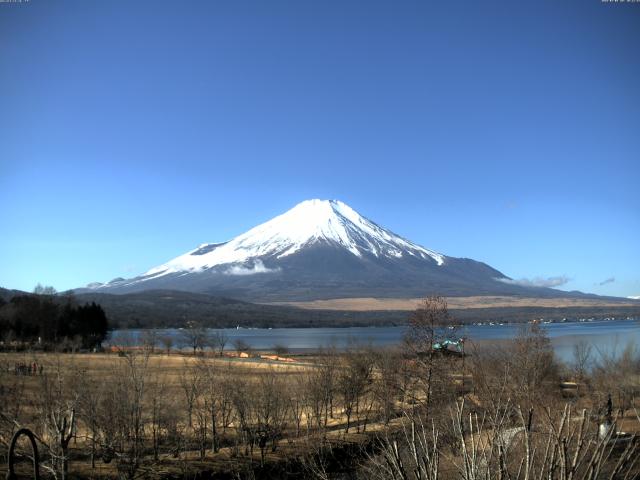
point(322, 249)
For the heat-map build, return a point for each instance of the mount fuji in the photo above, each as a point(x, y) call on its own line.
point(321, 249)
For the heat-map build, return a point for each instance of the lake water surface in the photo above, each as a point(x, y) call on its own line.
point(609, 337)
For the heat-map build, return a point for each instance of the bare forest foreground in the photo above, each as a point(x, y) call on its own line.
point(421, 411)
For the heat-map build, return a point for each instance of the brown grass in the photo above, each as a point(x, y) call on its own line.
point(408, 304)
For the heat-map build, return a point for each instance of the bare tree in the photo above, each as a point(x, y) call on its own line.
point(202, 410)
point(194, 335)
point(212, 400)
point(217, 341)
point(413, 454)
point(354, 378)
point(58, 406)
point(615, 374)
point(280, 349)
point(241, 346)
point(121, 418)
point(582, 358)
point(190, 379)
point(387, 382)
point(430, 325)
point(242, 397)
point(320, 387)
point(149, 339)
point(271, 411)
point(225, 393)
point(89, 405)
point(297, 397)
point(555, 447)
point(427, 325)
point(156, 407)
point(533, 363)
point(167, 342)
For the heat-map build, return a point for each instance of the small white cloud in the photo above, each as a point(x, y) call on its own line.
point(634, 297)
point(538, 281)
point(258, 267)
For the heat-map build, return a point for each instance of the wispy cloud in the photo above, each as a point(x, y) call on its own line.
point(538, 281)
point(608, 280)
point(258, 267)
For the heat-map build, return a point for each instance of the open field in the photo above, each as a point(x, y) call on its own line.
point(408, 304)
point(180, 380)
point(176, 375)
point(156, 415)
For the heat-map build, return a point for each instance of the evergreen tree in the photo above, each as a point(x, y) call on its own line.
point(42, 318)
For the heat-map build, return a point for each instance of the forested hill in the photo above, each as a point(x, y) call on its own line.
point(168, 308)
point(174, 308)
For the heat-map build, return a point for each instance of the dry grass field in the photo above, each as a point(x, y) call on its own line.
point(170, 370)
point(175, 377)
point(185, 415)
point(409, 304)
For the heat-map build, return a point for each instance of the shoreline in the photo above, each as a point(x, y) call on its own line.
point(392, 325)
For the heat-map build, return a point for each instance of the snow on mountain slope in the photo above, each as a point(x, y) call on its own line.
point(318, 250)
point(327, 221)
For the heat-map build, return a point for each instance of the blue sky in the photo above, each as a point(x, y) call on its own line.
point(507, 132)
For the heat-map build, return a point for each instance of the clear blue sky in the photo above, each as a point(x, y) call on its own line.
point(507, 132)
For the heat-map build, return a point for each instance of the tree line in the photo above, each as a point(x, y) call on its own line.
point(47, 320)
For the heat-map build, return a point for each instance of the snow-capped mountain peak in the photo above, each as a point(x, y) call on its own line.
point(319, 249)
point(312, 221)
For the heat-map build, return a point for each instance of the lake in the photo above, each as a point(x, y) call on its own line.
point(610, 336)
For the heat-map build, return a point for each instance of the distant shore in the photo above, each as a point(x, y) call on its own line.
point(407, 304)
